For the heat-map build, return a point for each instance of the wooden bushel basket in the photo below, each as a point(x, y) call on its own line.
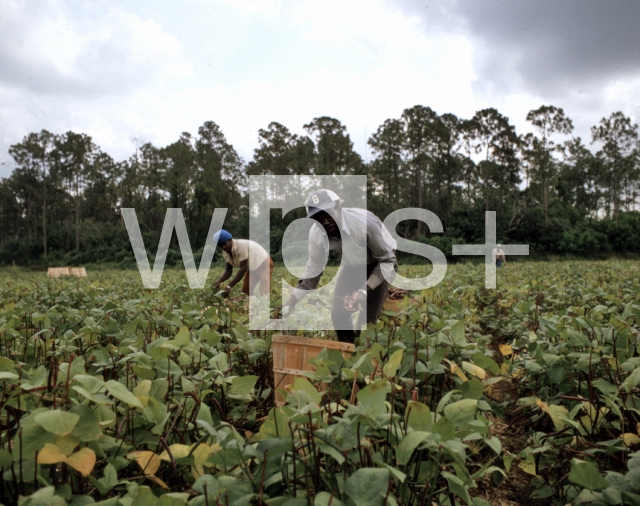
point(391, 305)
point(56, 272)
point(291, 355)
point(78, 271)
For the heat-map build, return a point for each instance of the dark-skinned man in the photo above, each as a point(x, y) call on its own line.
point(253, 262)
point(344, 226)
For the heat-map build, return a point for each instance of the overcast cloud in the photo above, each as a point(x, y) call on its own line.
point(555, 50)
point(123, 69)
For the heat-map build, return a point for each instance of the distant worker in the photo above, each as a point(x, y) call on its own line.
point(498, 256)
point(352, 292)
point(252, 260)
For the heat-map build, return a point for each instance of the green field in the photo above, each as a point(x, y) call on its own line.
point(118, 395)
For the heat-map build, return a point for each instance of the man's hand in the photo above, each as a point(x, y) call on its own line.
point(355, 301)
point(225, 292)
point(288, 306)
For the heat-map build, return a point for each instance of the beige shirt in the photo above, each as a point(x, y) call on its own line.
point(244, 249)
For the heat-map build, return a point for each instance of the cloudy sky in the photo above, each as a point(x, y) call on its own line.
point(119, 70)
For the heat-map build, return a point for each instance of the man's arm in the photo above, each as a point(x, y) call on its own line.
point(382, 251)
point(244, 267)
point(313, 269)
point(228, 270)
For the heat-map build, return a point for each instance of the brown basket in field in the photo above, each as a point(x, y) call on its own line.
point(395, 298)
point(56, 272)
point(291, 355)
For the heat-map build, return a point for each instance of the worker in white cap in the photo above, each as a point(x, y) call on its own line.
point(335, 227)
point(498, 256)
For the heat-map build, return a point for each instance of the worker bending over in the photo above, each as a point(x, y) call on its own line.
point(352, 292)
point(253, 262)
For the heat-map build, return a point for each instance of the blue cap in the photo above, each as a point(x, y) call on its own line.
point(221, 236)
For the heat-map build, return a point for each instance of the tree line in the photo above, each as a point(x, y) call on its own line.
point(555, 192)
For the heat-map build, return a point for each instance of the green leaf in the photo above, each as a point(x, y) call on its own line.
point(85, 393)
point(444, 401)
point(630, 498)
point(285, 501)
point(5, 458)
point(461, 411)
point(437, 357)
point(586, 475)
point(605, 387)
point(120, 392)
point(494, 443)
point(367, 487)
point(331, 451)
point(304, 385)
point(628, 311)
point(34, 436)
point(372, 398)
point(632, 380)
point(110, 476)
point(457, 333)
point(326, 499)
point(182, 338)
point(90, 383)
point(392, 365)
point(37, 379)
point(107, 482)
point(407, 446)
point(445, 428)
point(8, 376)
point(212, 487)
point(344, 436)
point(486, 363)
point(276, 424)
point(558, 415)
point(143, 388)
point(57, 422)
point(576, 338)
point(144, 495)
point(555, 373)
point(44, 497)
point(419, 416)
point(457, 486)
point(471, 389)
point(159, 353)
point(88, 427)
point(543, 492)
point(159, 389)
point(241, 387)
point(7, 365)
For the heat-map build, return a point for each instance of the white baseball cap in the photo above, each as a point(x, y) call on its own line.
point(320, 200)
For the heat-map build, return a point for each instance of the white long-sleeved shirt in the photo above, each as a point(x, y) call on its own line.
point(363, 236)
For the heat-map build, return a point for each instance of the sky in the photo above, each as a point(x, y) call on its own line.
point(138, 71)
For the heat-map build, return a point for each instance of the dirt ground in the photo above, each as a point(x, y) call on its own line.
point(516, 488)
